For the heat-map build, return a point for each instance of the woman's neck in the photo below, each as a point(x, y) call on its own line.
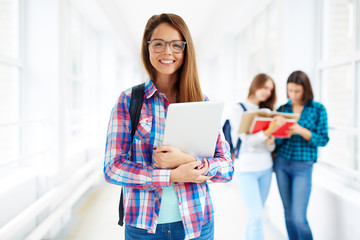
point(166, 85)
point(297, 104)
point(254, 101)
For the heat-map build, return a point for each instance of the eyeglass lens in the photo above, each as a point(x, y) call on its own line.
point(175, 46)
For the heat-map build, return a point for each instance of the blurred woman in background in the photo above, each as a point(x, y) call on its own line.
point(297, 154)
point(254, 164)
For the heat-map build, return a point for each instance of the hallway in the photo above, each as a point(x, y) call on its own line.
point(96, 216)
point(64, 63)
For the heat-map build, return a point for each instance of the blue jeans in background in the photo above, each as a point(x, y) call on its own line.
point(294, 182)
point(168, 231)
point(254, 188)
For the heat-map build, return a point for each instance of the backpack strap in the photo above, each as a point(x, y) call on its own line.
point(238, 142)
point(136, 101)
point(243, 106)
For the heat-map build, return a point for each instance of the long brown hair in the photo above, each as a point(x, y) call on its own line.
point(188, 86)
point(259, 82)
point(300, 78)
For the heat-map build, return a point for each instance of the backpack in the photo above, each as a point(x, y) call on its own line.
point(227, 133)
point(137, 99)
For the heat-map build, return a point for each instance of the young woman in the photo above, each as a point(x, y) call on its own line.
point(254, 164)
point(166, 191)
point(297, 154)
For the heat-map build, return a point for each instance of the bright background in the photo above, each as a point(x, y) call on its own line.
point(63, 64)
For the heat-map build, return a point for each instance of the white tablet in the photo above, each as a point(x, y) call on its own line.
point(194, 127)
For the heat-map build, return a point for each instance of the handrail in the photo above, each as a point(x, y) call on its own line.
point(350, 130)
point(65, 189)
point(2, 164)
point(22, 122)
point(10, 61)
point(66, 206)
point(346, 172)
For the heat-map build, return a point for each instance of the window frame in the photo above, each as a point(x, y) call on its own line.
point(351, 59)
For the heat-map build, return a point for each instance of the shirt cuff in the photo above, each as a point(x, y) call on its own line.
point(161, 177)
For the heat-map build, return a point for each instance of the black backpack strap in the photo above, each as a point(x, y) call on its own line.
point(137, 99)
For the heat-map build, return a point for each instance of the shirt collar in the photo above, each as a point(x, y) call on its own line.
point(150, 88)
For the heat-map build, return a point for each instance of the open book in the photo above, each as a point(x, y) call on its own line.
point(248, 117)
point(262, 123)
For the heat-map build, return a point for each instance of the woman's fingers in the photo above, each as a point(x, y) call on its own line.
point(162, 148)
point(202, 179)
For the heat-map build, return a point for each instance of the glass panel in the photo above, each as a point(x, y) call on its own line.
point(357, 108)
point(337, 88)
point(339, 150)
point(74, 94)
point(9, 28)
point(357, 153)
point(75, 43)
point(272, 40)
point(357, 114)
point(337, 28)
point(259, 31)
point(358, 25)
point(9, 142)
point(9, 94)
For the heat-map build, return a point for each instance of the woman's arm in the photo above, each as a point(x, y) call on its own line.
point(220, 166)
point(303, 132)
point(118, 167)
point(320, 136)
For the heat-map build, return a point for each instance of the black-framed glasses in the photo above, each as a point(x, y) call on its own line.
point(176, 46)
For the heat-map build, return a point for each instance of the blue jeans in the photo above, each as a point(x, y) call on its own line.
point(168, 231)
point(294, 182)
point(254, 189)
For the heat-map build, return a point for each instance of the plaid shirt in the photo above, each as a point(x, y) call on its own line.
point(142, 181)
point(296, 148)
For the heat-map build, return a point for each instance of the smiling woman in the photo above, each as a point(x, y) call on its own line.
point(157, 179)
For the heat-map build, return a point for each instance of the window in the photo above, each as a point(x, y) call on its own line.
point(10, 71)
point(337, 91)
point(337, 28)
point(339, 83)
point(9, 29)
point(259, 43)
point(357, 27)
point(81, 86)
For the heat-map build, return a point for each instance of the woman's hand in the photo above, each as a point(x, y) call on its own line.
point(276, 123)
point(297, 129)
point(191, 172)
point(270, 141)
point(168, 157)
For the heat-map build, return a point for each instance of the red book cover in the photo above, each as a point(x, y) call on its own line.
point(262, 123)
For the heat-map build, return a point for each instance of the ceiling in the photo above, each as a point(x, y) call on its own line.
point(207, 20)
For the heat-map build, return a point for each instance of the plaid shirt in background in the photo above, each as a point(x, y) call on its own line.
point(143, 183)
point(296, 148)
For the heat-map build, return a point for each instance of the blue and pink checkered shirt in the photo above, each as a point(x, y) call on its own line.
point(130, 164)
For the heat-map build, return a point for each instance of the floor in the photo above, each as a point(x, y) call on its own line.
point(96, 218)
